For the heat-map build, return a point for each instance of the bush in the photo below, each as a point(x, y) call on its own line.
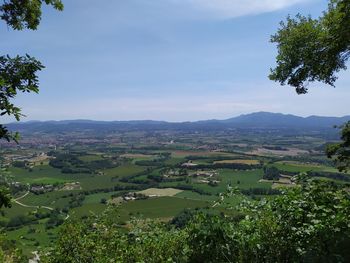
point(99, 240)
point(308, 223)
point(20, 220)
point(271, 173)
point(211, 239)
point(9, 253)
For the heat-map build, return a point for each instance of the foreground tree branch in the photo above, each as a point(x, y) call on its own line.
point(19, 74)
point(313, 49)
point(316, 50)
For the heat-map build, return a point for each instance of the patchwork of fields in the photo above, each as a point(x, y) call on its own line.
point(148, 178)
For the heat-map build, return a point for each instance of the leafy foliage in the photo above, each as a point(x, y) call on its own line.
point(313, 49)
point(99, 239)
point(212, 239)
point(305, 224)
point(271, 173)
point(5, 197)
point(9, 253)
point(340, 152)
point(309, 223)
point(16, 75)
point(20, 14)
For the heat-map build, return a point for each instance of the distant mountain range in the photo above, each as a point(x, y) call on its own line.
point(267, 119)
point(258, 120)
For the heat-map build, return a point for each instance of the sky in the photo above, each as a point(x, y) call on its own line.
point(174, 60)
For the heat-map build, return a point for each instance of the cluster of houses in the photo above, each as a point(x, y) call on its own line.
point(132, 196)
point(29, 160)
point(41, 189)
point(201, 176)
point(206, 177)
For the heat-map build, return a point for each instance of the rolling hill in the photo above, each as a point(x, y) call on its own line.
point(258, 120)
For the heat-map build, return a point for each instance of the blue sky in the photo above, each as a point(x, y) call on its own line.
point(170, 60)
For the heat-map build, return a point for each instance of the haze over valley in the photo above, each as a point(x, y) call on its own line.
point(178, 131)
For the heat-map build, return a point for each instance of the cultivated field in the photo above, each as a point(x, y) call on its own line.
point(239, 161)
point(145, 176)
point(156, 192)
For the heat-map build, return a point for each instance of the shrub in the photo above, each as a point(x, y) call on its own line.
point(308, 223)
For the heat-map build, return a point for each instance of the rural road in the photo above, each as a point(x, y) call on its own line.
point(36, 258)
point(33, 206)
point(22, 196)
point(29, 206)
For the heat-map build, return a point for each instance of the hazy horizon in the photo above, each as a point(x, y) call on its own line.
point(165, 120)
point(165, 60)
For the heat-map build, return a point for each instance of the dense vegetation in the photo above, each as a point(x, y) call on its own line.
point(316, 50)
point(315, 228)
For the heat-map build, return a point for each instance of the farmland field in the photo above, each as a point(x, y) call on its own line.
point(160, 192)
point(162, 207)
point(239, 161)
point(146, 175)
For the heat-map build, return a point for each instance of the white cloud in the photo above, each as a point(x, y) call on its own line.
point(235, 8)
